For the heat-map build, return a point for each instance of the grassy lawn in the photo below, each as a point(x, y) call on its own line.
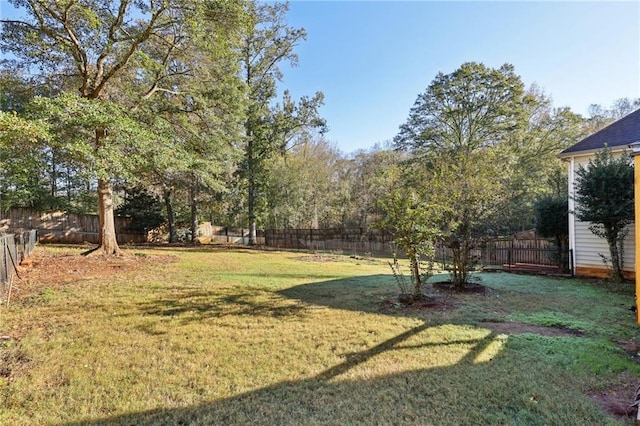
point(179, 336)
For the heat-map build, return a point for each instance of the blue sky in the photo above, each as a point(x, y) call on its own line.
point(371, 59)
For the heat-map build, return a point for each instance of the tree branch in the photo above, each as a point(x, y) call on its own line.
point(146, 33)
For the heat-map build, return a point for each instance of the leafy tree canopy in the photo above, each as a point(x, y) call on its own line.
point(455, 129)
point(604, 190)
point(552, 217)
point(73, 121)
point(471, 108)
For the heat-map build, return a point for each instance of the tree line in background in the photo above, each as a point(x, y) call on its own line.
point(169, 111)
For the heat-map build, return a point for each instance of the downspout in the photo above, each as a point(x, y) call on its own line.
point(572, 216)
point(635, 146)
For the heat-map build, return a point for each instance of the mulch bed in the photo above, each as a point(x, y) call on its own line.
point(467, 288)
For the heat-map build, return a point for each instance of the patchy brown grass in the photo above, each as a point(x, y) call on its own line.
point(56, 266)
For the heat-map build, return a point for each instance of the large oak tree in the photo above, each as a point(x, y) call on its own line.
point(99, 48)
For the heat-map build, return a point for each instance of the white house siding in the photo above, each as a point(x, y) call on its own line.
point(589, 247)
point(586, 246)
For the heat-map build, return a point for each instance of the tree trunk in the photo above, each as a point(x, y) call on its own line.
point(107, 241)
point(251, 183)
point(171, 217)
point(455, 264)
point(315, 222)
point(563, 255)
point(616, 264)
point(460, 263)
point(415, 272)
point(54, 177)
point(464, 263)
point(108, 244)
point(559, 250)
point(252, 210)
point(68, 177)
point(193, 192)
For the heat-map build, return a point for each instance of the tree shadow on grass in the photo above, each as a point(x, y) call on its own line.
point(363, 293)
point(466, 391)
point(470, 388)
point(199, 305)
point(192, 303)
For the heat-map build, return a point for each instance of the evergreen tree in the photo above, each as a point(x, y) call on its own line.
point(552, 221)
point(144, 208)
point(270, 128)
point(604, 197)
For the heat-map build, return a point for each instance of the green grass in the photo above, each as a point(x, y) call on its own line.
point(252, 337)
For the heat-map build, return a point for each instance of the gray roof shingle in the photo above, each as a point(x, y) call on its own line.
point(617, 134)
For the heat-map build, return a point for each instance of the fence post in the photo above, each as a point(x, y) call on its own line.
point(20, 248)
point(4, 267)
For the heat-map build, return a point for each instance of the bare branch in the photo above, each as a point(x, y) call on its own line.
point(116, 24)
point(155, 89)
point(26, 24)
point(144, 35)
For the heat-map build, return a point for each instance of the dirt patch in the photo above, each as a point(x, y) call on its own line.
point(617, 399)
point(520, 328)
point(631, 347)
point(48, 270)
point(404, 305)
point(320, 258)
point(13, 362)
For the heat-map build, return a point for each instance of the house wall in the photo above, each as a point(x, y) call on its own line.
point(587, 255)
point(586, 246)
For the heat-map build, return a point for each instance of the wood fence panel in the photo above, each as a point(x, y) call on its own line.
point(63, 227)
point(222, 234)
point(358, 240)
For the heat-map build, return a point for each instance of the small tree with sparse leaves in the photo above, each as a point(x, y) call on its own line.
point(414, 215)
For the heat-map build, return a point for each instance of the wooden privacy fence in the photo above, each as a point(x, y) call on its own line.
point(538, 251)
point(355, 240)
point(511, 253)
point(208, 233)
point(14, 248)
point(63, 227)
point(517, 254)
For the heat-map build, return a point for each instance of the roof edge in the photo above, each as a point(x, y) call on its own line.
point(617, 148)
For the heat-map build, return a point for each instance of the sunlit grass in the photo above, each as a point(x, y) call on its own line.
point(244, 336)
